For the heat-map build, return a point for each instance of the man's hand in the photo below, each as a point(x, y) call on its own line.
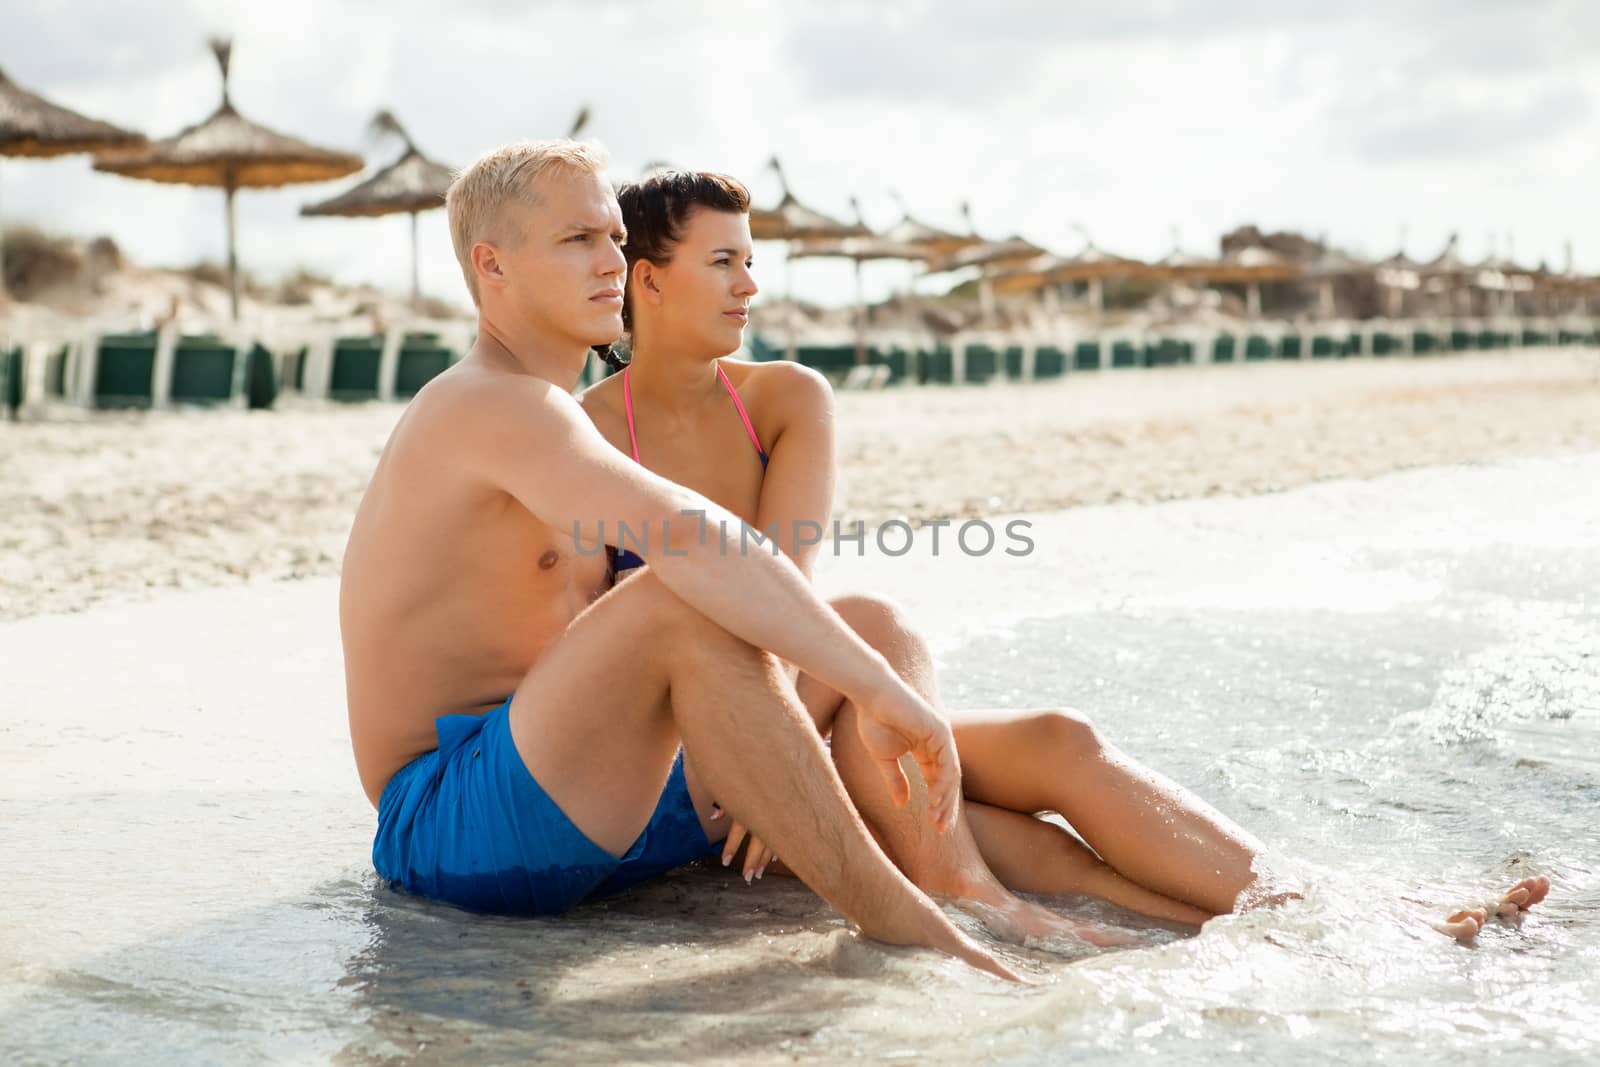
point(896, 720)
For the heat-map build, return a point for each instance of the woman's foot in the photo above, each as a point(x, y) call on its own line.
point(1465, 924)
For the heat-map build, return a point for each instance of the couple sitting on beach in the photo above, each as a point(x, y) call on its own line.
point(540, 721)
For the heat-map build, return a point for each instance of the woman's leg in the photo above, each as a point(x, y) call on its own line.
point(1151, 834)
point(948, 865)
point(1030, 855)
point(1145, 827)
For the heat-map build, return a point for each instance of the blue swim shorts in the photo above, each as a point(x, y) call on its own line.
point(467, 824)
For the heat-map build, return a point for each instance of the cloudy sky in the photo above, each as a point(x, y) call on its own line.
point(1129, 121)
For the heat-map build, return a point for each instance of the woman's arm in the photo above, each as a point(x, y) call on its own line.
point(797, 491)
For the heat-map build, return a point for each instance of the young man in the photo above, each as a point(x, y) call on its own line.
point(518, 725)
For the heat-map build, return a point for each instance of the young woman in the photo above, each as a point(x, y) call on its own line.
point(758, 439)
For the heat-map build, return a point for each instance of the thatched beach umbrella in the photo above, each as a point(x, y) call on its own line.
point(931, 242)
point(1447, 274)
point(1397, 275)
point(865, 248)
point(411, 185)
point(229, 152)
point(1249, 266)
point(1092, 266)
point(991, 258)
point(1566, 285)
point(1328, 267)
point(1180, 266)
point(32, 126)
point(1011, 252)
point(793, 221)
point(934, 242)
point(1505, 276)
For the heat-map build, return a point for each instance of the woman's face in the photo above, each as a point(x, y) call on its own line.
point(700, 299)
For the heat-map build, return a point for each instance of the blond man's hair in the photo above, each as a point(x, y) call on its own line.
point(479, 196)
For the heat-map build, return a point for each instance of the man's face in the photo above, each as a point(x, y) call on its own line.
point(565, 274)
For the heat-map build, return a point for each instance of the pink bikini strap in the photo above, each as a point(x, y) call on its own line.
point(627, 405)
point(748, 425)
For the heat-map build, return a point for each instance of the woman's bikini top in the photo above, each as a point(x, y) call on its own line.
point(626, 560)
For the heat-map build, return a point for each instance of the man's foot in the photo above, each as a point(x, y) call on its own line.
point(1465, 924)
point(1018, 921)
point(930, 928)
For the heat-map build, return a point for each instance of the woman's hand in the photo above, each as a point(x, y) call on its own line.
point(757, 856)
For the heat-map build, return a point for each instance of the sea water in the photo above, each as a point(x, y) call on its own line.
point(1394, 684)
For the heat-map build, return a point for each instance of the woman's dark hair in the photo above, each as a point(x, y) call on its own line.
point(654, 211)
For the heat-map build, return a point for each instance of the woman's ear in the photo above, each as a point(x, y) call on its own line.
point(646, 280)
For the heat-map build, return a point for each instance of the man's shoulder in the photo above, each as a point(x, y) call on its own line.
point(469, 395)
point(603, 396)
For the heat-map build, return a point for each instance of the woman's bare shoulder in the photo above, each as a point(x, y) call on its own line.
point(781, 390)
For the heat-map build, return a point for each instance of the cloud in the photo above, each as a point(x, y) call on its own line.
point(1434, 130)
point(1129, 118)
point(970, 55)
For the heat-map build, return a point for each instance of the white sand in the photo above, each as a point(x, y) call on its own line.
point(113, 506)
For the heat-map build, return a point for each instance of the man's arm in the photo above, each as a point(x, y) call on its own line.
point(532, 440)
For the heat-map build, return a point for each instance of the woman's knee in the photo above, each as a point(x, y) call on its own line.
point(1065, 733)
point(877, 619)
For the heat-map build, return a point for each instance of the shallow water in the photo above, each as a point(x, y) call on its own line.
point(1394, 684)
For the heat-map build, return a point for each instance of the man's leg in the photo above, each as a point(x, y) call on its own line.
point(599, 717)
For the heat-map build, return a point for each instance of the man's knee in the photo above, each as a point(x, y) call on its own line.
point(664, 616)
point(1065, 733)
point(877, 619)
point(677, 629)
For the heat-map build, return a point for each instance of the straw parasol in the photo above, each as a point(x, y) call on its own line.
point(792, 221)
point(31, 126)
point(230, 152)
point(1397, 274)
point(1093, 266)
point(991, 258)
point(1009, 252)
point(864, 248)
point(1448, 263)
point(1329, 266)
point(933, 241)
point(1504, 275)
point(1447, 273)
point(411, 185)
point(1567, 282)
point(1249, 266)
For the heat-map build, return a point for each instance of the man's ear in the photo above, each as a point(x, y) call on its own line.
point(486, 264)
point(646, 281)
